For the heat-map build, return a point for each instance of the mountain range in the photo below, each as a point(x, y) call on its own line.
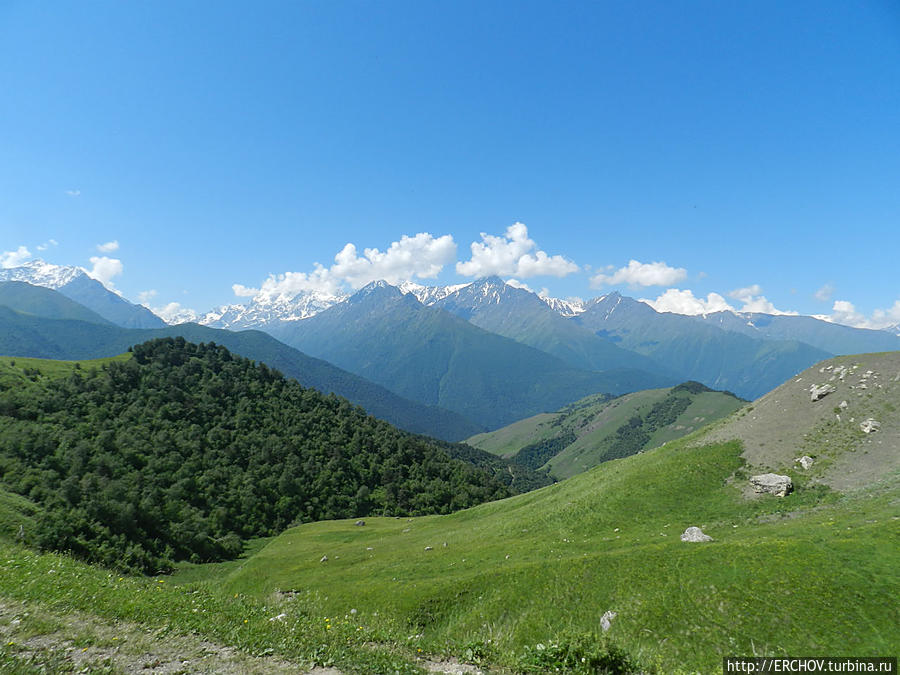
point(492, 353)
point(26, 330)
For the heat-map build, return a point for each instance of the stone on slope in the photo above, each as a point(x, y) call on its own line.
point(806, 461)
point(772, 483)
point(869, 425)
point(695, 534)
point(817, 392)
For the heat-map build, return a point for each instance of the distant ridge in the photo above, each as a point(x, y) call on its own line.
point(75, 284)
point(437, 358)
point(27, 335)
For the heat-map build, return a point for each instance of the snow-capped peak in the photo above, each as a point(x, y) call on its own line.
point(41, 273)
point(567, 308)
point(267, 308)
point(428, 295)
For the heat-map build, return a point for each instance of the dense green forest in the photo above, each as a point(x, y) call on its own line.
point(535, 455)
point(184, 450)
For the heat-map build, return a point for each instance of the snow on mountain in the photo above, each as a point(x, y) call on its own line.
point(428, 295)
point(76, 284)
point(567, 308)
point(40, 273)
point(265, 309)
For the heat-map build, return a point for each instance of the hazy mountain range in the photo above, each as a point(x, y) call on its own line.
point(477, 356)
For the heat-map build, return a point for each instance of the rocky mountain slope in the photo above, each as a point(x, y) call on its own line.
point(843, 413)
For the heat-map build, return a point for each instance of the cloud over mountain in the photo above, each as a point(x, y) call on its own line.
point(14, 258)
point(679, 301)
point(422, 256)
point(105, 269)
point(845, 312)
point(636, 273)
point(513, 254)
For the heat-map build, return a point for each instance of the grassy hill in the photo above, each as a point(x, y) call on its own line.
point(793, 575)
point(782, 576)
point(785, 423)
point(599, 428)
point(183, 450)
point(522, 583)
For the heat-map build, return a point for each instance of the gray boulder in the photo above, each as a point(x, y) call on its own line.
point(772, 483)
point(806, 461)
point(694, 534)
point(869, 425)
point(817, 392)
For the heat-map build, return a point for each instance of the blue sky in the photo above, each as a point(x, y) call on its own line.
point(752, 147)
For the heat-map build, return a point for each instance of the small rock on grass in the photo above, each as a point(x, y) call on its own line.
point(772, 483)
point(695, 534)
point(606, 619)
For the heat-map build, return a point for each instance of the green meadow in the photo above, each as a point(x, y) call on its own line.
point(782, 576)
point(514, 586)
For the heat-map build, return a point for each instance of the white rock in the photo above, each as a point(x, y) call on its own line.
point(772, 483)
point(606, 619)
point(695, 534)
point(820, 391)
point(869, 425)
point(806, 461)
point(844, 405)
point(324, 558)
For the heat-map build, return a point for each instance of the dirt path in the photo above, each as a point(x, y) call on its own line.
point(76, 641)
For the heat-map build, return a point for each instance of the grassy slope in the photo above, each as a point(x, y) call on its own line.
point(815, 573)
point(595, 420)
point(608, 539)
point(508, 440)
point(13, 368)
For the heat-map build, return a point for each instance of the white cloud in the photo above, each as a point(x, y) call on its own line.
point(422, 256)
point(108, 247)
point(73, 193)
point(14, 258)
point(511, 255)
point(825, 293)
point(685, 302)
point(641, 274)
point(515, 283)
point(145, 297)
point(755, 301)
point(47, 244)
point(243, 291)
point(105, 269)
point(845, 312)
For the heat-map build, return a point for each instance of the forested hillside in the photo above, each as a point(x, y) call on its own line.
point(183, 450)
